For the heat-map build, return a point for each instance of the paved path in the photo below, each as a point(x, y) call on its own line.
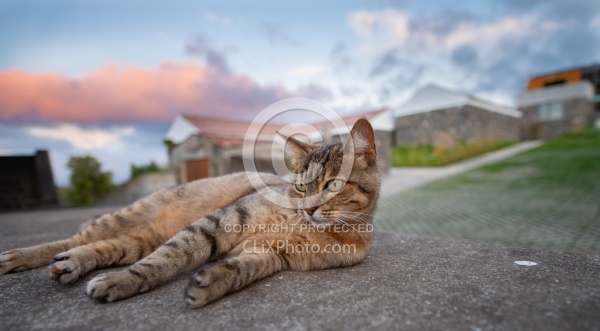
point(405, 283)
point(402, 179)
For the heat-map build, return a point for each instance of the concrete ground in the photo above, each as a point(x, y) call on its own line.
point(405, 178)
point(406, 283)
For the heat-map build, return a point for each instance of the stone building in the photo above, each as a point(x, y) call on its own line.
point(201, 147)
point(558, 102)
point(557, 109)
point(441, 117)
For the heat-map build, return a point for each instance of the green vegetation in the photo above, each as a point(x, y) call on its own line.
point(427, 156)
point(143, 169)
point(569, 161)
point(544, 198)
point(87, 181)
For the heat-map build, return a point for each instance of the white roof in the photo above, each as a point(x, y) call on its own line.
point(556, 93)
point(384, 121)
point(180, 130)
point(434, 97)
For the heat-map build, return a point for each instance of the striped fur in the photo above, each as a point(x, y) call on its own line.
point(225, 226)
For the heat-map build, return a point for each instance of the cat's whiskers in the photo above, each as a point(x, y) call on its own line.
point(289, 218)
point(356, 218)
point(354, 231)
point(293, 226)
point(354, 212)
point(348, 213)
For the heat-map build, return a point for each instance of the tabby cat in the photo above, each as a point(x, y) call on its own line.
point(226, 226)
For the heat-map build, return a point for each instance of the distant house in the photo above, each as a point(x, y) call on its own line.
point(27, 182)
point(438, 116)
point(556, 109)
point(589, 73)
point(561, 101)
point(201, 147)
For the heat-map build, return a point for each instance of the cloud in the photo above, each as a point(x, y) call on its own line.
point(81, 138)
point(315, 91)
point(490, 57)
point(309, 70)
point(339, 58)
point(130, 94)
point(218, 19)
point(276, 34)
point(215, 59)
point(387, 62)
point(367, 23)
point(464, 55)
point(441, 32)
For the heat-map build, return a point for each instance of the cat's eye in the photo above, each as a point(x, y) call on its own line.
point(335, 185)
point(300, 186)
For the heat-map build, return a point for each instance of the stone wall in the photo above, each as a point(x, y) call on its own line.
point(578, 113)
point(383, 142)
point(449, 126)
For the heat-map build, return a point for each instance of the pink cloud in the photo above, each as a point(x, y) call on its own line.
point(130, 93)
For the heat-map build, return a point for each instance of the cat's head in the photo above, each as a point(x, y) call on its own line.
point(337, 184)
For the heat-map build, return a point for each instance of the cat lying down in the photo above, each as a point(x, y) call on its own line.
point(228, 227)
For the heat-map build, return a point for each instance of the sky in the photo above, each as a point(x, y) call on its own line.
point(106, 78)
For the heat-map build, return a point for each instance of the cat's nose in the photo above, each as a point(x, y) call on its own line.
point(310, 211)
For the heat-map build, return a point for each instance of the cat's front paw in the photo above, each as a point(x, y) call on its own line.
point(23, 259)
point(65, 268)
point(12, 261)
point(115, 286)
point(207, 285)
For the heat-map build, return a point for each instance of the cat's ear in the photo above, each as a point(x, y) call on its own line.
point(295, 149)
point(362, 138)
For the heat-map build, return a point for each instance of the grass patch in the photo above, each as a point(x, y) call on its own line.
point(572, 160)
point(428, 156)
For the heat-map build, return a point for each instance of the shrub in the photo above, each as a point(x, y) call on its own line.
point(87, 182)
